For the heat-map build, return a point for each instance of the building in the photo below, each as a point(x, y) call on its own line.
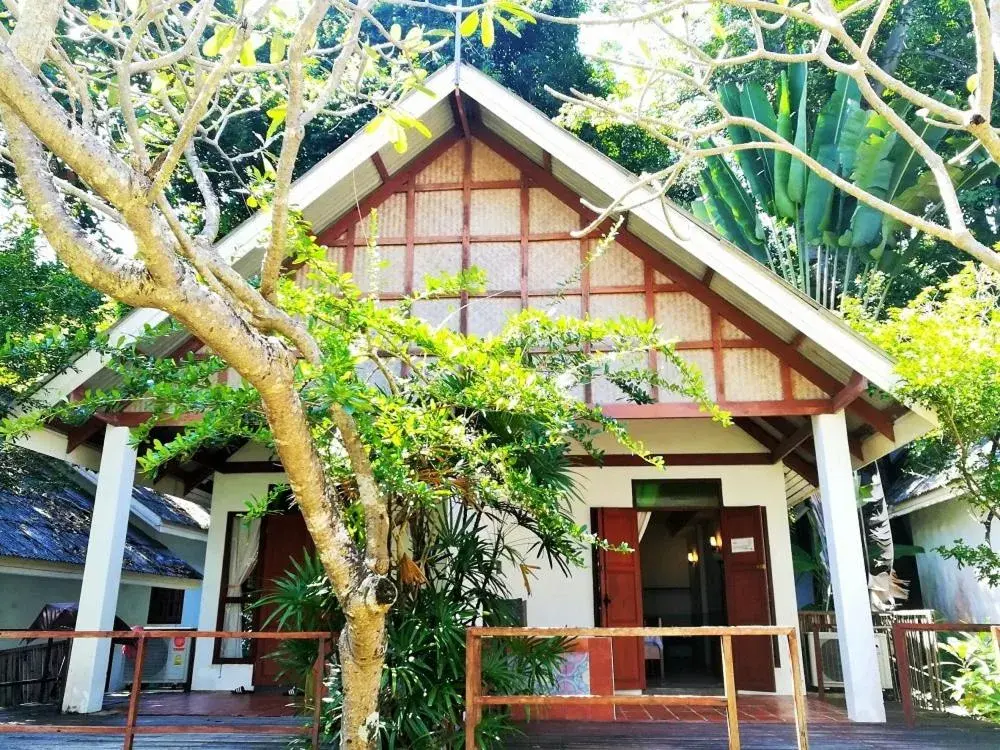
point(930, 512)
point(499, 186)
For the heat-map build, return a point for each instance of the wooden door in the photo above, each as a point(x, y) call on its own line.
point(621, 594)
point(284, 538)
point(748, 594)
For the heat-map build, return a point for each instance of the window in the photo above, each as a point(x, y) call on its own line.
point(653, 494)
point(165, 606)
point(239, 588)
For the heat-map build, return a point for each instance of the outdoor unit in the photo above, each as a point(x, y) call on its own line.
point(833, 672)
point(166, 662)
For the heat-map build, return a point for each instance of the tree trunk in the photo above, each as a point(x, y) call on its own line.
point(362, 657)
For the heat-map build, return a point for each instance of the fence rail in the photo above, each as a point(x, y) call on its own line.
point(910, 673)
point(30, 674)
point(475, 700)
point(131, 728)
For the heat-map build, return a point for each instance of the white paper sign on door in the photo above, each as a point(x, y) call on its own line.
point(742, 544)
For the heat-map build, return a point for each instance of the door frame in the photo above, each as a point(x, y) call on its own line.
point(598, 573)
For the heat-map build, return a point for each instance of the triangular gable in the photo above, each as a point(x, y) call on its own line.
point(479, 202)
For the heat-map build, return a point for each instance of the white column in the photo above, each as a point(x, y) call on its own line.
point(856, 635)
point(88, 665)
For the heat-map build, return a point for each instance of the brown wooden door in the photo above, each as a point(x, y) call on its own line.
point(621, 594)
point(284, 538)
point(748, 594)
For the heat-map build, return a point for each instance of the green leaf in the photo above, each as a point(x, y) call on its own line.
point(469, 24)
point(751, 162)
point(247, 56)
point(277, 116)
point(488, 34)
point(278, 46)
point(755, 104)
point(830, 126)
point(99, 22)
point(516, 10)
point(782, 160)
point(797, 171)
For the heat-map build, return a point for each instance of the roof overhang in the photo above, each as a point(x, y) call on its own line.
point(343, 180)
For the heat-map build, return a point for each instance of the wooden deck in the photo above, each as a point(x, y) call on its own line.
point(935, 735)
point(764, 725)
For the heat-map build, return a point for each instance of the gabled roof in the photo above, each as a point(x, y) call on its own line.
point(368, 162)
point(45, 515)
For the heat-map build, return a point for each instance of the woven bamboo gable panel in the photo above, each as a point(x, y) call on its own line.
point(470, 206)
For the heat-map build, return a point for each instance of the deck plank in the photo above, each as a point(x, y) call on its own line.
point(966, 735)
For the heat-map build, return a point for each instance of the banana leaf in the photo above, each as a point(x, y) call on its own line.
point(830, 126)
point(783, 161)
point(751, 162)
point(798, 77)
point(755, 104)
point(718, 214)
point(873, 170)
point(732, 193)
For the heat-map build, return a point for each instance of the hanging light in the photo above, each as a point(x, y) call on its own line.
point(693, 557)
point(715, 540)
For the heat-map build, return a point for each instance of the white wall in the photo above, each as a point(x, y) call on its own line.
point(958, 595)
point(557, 601)
point(230, 493)
point(25, 595)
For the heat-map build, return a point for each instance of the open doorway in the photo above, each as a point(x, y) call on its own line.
point(694, 563)
point(682, 585)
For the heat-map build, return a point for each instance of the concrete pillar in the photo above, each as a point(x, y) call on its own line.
point(88, 665)
point(856, 635)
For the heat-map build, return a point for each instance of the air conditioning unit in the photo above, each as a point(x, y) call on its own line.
point(166, 661)
point(833, 671)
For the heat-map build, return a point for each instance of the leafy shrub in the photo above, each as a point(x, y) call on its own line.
point(975, 681)
point(462, 558)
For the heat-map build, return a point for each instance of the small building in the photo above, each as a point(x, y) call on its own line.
point(499, 186)
point(931, 512)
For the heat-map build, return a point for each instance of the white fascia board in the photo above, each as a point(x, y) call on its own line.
point(183, 532)
point(926, 500)
point(683, 230)
point(43, 569)
point(912, 425)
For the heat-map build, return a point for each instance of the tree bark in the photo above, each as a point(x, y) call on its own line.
point(362, 658)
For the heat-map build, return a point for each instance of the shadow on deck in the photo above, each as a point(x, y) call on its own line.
point(765, 724)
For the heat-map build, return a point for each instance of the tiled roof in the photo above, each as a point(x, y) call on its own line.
point(45, 515)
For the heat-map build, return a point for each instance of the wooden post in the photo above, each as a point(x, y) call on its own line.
point(798, 691)
point(729, 683)
point(473, 666)
point(318, 674)
point(133, 696)
point(903, 665)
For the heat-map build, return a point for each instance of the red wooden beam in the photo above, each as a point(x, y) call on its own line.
point(735, 408)
point(796, 463)
point(396, 183)
point(461, 116)
point(380, 167)
point(790, 442)
point(694, 286)
point(850, 392)
point(80, 434)
point(677, 459)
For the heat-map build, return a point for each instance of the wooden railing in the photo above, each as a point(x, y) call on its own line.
point(475, 700)
point(913, 680)
point(139, 637)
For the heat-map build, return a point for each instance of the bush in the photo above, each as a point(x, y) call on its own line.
point(460, 583)
point(975, 682)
